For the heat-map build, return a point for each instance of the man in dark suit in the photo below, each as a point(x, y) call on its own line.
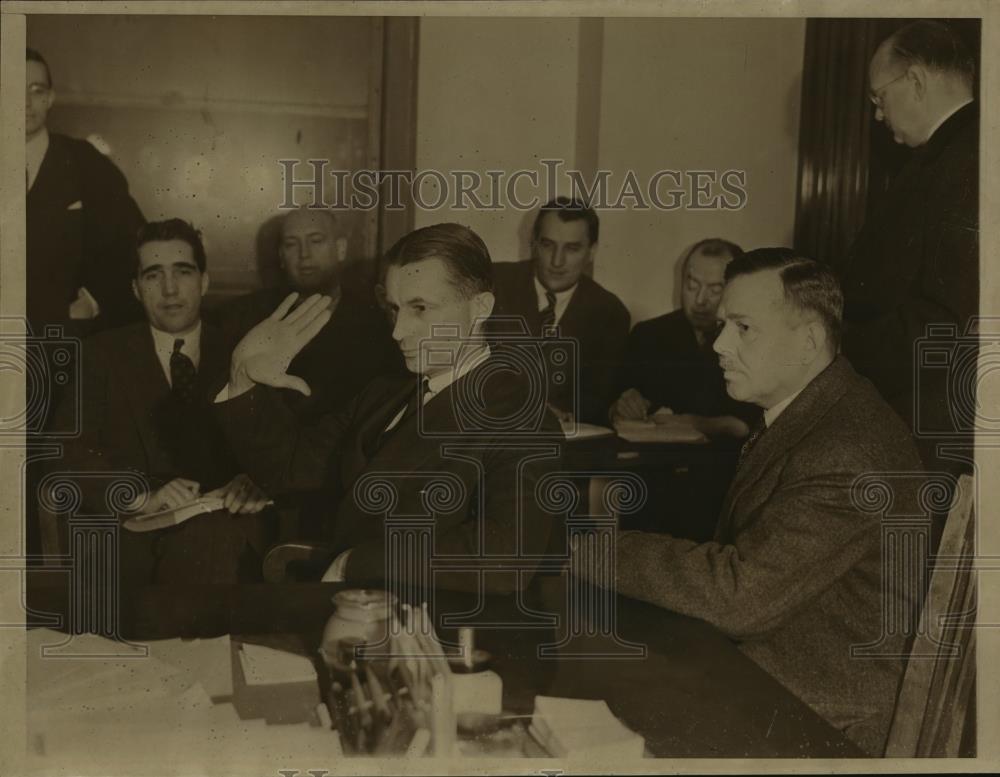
point(553, 289)
point(81, 224)
point(354, 347)
point(146, 407)
point(669, 361)
point(449, 428)
point(916, 260)
point(794, 572)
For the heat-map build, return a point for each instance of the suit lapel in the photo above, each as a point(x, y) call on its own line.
point(574, 318)
point(145, 388)
point(797, 420)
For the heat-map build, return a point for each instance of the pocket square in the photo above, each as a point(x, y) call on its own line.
point(78, 205)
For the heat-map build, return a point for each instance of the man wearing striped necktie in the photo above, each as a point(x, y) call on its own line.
point(553, 290)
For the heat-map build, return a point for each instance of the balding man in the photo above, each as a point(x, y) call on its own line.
point(669, 362)
point(916, 261)
point(352, 349)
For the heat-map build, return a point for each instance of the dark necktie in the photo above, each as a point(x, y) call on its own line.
point(183, 375)
point(755, 434)
point(413, 401)
point(549, 313)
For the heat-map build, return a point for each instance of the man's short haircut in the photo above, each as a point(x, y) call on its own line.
point(935, 46)
point(809, 285)
point(569, 210)
point(713, 246)
point(463, 252)
point(172, 229)
point(31, 55)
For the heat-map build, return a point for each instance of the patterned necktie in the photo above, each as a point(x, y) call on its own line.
point(183, 375)
point(549, 313)
point(755, 434)
point(412, 403)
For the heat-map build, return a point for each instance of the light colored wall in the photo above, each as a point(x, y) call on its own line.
point(495, 94)
point(682, 94)
point(697, 94)
point(197, 111)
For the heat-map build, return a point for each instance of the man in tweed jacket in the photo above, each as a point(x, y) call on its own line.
point(794, 571)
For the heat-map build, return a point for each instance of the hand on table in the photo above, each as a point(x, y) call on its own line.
point(265, 352)
point(241, 496)
point(563, 416)
point(630, 406)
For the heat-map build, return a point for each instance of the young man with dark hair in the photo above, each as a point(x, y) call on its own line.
point(553, 289)
point(146, 407)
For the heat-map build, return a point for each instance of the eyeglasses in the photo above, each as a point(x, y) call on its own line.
point(875, 95)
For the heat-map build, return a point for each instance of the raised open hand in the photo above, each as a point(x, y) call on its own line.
point(263, 355)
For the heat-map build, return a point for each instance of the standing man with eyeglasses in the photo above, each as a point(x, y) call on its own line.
point(916, 261)
point(81, 223)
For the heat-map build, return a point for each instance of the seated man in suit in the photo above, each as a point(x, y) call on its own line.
point(354, 347)
point(794, 572)
point(553, 289)
point(146, 407)
point(454, 419)
point(669, 362)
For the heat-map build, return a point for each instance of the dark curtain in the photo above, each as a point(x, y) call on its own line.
point(846, 158)
point(834, 135)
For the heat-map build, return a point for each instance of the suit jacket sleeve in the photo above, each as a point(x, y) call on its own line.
point(279, 453)
point(798, 543)
point(601, 366)
point(90, 452)
point(111, 221)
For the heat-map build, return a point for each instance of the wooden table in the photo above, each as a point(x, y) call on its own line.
point(693, 693)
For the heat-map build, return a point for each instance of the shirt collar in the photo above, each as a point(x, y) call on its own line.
point(772, 413)
point(164, 344)
point(438, 383)
point(562, 298)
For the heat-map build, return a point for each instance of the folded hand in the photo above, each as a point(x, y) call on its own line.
point(241, 496)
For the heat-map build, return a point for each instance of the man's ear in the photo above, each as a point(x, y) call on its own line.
point(815, 341)
point(204, 283)
point(135, 289)
point(484, 303)
point(917, 76)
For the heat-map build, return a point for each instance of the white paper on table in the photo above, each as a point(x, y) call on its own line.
point(578, 431)
point(266, 666)
point(666, 431)
point(572, 728)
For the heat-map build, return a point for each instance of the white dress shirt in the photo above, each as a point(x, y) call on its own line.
point(562, 299)
point(771, 414)
point(164, 344)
